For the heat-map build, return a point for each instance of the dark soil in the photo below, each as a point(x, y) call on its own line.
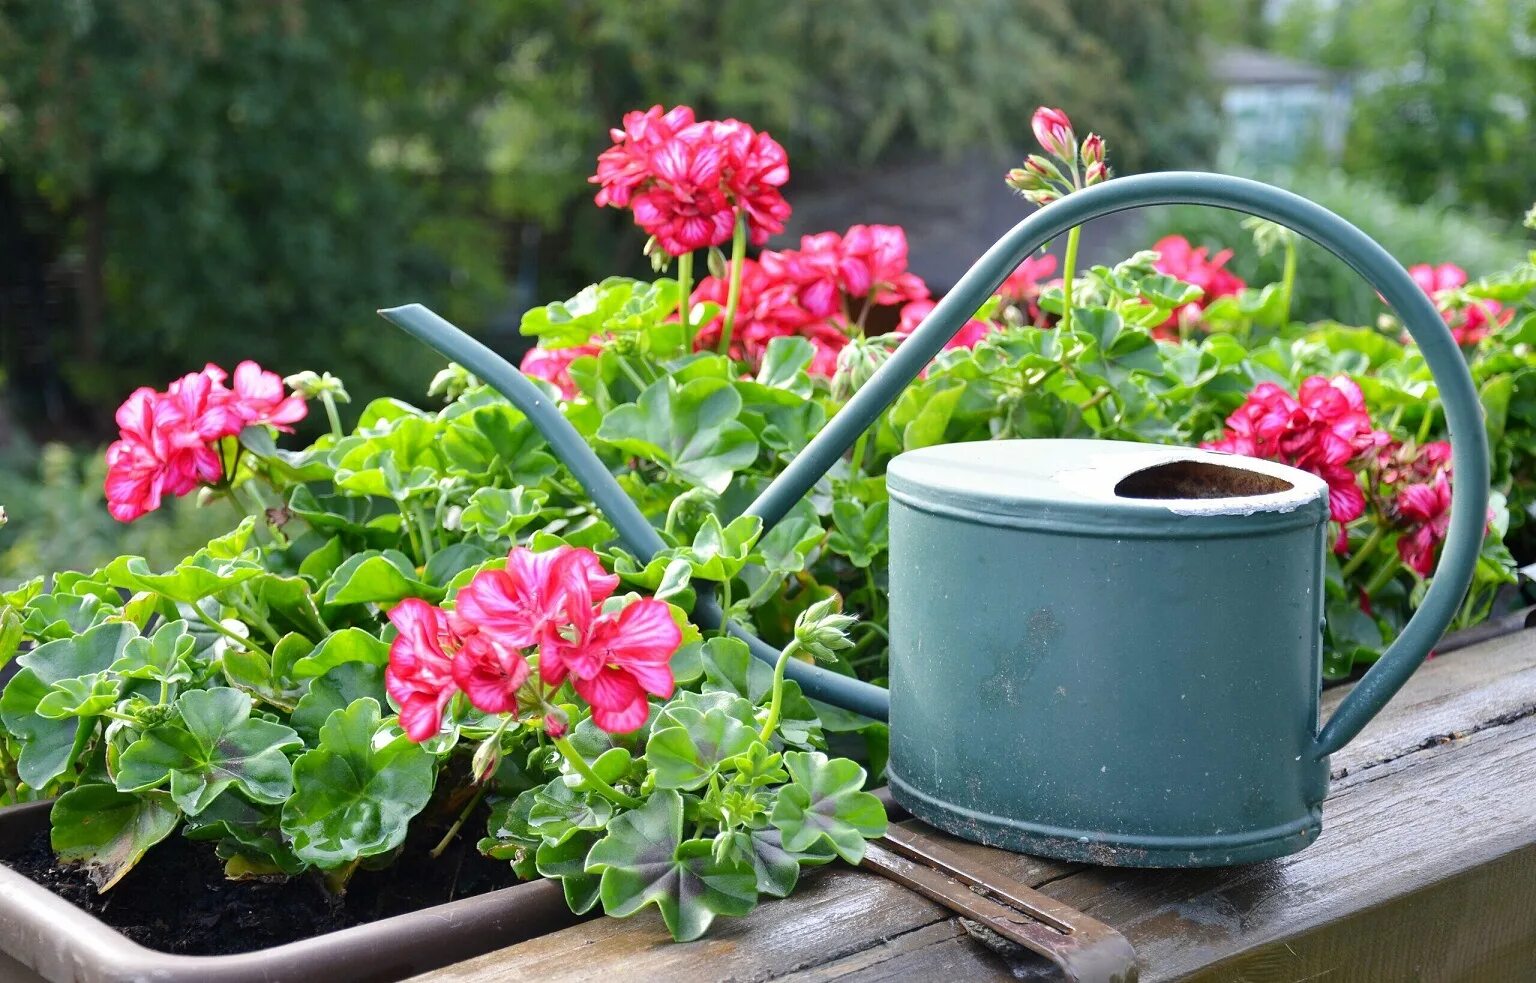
point(177, 899)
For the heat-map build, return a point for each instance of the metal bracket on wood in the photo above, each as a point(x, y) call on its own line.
point(1083, 948)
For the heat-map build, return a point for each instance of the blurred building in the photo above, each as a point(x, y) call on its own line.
point(1278, 111)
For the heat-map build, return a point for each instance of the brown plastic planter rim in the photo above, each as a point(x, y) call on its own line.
point(51, 940)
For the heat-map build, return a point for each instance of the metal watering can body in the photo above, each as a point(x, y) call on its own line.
point(1100, 651)
point(1107, 652)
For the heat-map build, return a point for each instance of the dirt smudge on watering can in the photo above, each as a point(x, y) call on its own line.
point(1007, 683)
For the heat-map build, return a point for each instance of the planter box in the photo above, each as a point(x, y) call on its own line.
point(45, 938)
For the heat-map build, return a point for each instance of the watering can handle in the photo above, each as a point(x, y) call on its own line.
point(1463, 413)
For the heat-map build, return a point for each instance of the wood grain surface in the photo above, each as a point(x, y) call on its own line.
point(1425, 870)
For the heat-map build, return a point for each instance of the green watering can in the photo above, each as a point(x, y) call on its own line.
point(1100, 651)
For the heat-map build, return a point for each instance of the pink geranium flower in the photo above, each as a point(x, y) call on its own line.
point(874, 265)
point(614, 660)
point(489, 673)
point(685, 207)
point(1022, 288)
point(419, 677)
point(766, 308)
point(913, 313)
point(1054, 132)
point(526, 603)
point(1177, 258)
point(756, 169)
point(258, 397)
point(1425, 511)
point(1322, 429)
point(1469, 322)
point(553, 365)
point(624, 167)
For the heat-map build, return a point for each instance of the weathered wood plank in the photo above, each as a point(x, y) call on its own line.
point(1432, 805)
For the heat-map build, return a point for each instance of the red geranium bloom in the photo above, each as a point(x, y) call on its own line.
point(527, 603)
point(685, 207)
point(1023, 285)
point(622, 168)
point(1470, 323)
point(874, 265)
point(420, 674)
point(614, 660)
point(145, 463)
point(756, 168)
point(489, 673)
point(258, 396)
point(1320, 430)
point(1176, 257)
point(1426, 511)
point(970, 333)
point(765, 309)
point(553, 365)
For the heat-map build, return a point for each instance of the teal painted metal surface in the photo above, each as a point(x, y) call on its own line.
point(1222, 801)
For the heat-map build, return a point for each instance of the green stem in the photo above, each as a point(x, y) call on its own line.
point(858, 455)
point(117, 715)
point(580, 766)
point(251, 616)
point(458, 823)
point(684, 289)
point(775, 702)
point(1425, 425)
point(725, 605)
point(1364, 552)
point(1384, 575)
point(1068, 272)
point(329, 402)
point(233, 636)
point(733, 292)
point(428, 542)
point(1288, 280)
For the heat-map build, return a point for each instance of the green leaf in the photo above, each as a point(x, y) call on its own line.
point(48, 747)
point(643, 860)
point(731, 669)
point(859, 533)
point(354, 795)
point(203, 574)
point(778, 869)
point(166, 656)
point(719, 553)
point(375, 577)
point(82, 696)
point(566, 862)
point(109, 831)
point(686, 752)
point(616, 304)
point(214, 744)
point(785, 364)
point(342, 647)
point(61, 615)
point(691, 429)
point(340, 686)
point(499, 513)
point(825, 805)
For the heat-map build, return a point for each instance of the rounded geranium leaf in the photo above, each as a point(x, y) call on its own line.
point(374, 577)
point(340, 687)
point(83, 696)
point(164, 656)
point(689, 750)
point(825, 804)
point(691, 429)
point(644, 860)
point(566, 861)
point(211, 744)
point(778, 869)
point(109, 831)
point(355, 794)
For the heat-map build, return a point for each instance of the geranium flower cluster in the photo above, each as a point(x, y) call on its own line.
point(685, 180)
point(168, 441)
point(1470, 319)
point(550, 607)
point(1177, 257)
point(1418, 481)
point(553, 365)
point(822, 291)
point(1324, 428)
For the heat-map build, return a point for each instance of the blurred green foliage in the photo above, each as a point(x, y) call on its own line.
point(57, 518)
point(1443, 91)
point(1432, 232)
point(191, 180)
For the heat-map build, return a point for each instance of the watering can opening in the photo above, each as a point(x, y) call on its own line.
point(1198, 479)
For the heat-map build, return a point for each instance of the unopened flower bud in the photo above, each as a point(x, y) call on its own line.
point(1020, 179)
point(487, 758)
point(1054, 131)
point(311, 384)
point(857, 363)
point(556, 721)
point(452, 382)
point(1043, 169)
point(1092, 150)
point(1040, 197)
point(822, 630)
point(1097, 173)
